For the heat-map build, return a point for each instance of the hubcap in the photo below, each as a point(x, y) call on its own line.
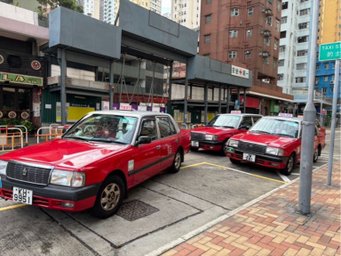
point(177, 161)
point(110, 196)
point(290, 164)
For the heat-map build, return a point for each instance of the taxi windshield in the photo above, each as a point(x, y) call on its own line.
point(104, 128)
point(280, 127)
point(227, 121)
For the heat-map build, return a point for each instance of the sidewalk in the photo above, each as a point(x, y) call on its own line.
point(273, 226)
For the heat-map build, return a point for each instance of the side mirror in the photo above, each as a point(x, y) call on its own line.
point(143, 140)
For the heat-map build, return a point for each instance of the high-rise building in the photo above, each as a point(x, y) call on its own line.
point(109, 8)
point(187, 13)
point(294, 48)
point(329, 32)
point(91, 8)
point(246, 34)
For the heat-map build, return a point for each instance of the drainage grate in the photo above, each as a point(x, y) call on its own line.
point(135, 209)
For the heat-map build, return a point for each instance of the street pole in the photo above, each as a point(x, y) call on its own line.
point(321, 107)
point(332, 132)
point(309, 116)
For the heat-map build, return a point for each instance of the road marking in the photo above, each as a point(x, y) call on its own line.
point(236, 170)
point(11, 207)
point(193, 165)
point(283, 177)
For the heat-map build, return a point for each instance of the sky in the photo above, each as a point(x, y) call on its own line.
point(165, 6)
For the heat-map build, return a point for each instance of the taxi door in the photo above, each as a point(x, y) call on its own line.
point(147, 155)
point(169, 141)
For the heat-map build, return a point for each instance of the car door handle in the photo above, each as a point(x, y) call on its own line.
point(158, 147)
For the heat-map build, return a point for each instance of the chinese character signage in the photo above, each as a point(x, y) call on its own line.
point(240, 72)
point(21, 79)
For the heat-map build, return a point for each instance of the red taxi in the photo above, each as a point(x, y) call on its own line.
point(273, 142)
point(95, 163)
point(214, 135)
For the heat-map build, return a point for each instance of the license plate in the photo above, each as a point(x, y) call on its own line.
point(194, 143)
point(22, 195)
point(249, 157)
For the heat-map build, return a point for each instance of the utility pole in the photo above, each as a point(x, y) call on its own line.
point(332, 134)
point(309, 116)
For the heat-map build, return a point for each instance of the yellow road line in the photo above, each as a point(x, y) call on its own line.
point(11, 207)
point(192, 165)
point(232, 169)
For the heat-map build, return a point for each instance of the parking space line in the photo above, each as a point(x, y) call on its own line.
point(283, 177)
point(11, 207)
point(193, 165)
point(236, 170)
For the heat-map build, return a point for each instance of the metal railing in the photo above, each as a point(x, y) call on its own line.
point(50, 132)
point(11, 137)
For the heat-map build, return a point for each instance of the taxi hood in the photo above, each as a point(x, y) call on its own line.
point(214, 130)
point(69, 154)
point(267, 139)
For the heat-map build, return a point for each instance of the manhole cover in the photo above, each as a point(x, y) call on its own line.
point(135, 209)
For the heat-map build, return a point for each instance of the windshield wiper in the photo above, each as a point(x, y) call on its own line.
point(107, 140)
point(74, 137)
point(259, 131)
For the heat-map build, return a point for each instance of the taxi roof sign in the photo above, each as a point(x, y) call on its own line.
point(236, 111)
point(285, 114)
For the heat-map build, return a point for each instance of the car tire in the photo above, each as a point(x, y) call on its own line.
point(109, 197)
point(176, 162)
point(290, 165)
point(234, 161)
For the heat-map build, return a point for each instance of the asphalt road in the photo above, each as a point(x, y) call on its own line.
point(156, 213)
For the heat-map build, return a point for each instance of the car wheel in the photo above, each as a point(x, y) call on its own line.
point(316, 155)
point(176, 162)
point(234, 161)
point(109, 197)
point(290, 165)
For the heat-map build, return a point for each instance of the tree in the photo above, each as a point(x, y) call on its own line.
point(52, 4)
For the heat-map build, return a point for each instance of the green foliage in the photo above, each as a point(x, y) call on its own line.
point(12, 121)
point(70, 4)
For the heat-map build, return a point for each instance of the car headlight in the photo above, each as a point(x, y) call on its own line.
point(3, 166)
point(233, 143)
point(67, 178)
point(211, 137)
point(274, 151)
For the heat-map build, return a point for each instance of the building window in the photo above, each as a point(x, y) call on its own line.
point(280, 77)
point(283, 34)
point(284, 5)
point(270, 1)
point(303, 25)
point(300, 79)
point(234, 12)
point(302, 53)
point(284, 20)
point(325, 78)
point(207, 39)
point(326, 66)
point(268, 20)
point(278, 26)
point(282, 48)
point(208, 1)
point(304, 12)
point(249, 32)
point(232, 54)
point(281, 63)
point(233, 33)
point(302, 39)
point(301, 66)
point(250, 11)
point(266, 60)
point(208, 19)
point(247, 54)
point(275, 44)
point(267, 41)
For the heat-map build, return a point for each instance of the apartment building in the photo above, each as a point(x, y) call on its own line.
point(247, 34)
point(91, 8)
point(187, 13)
